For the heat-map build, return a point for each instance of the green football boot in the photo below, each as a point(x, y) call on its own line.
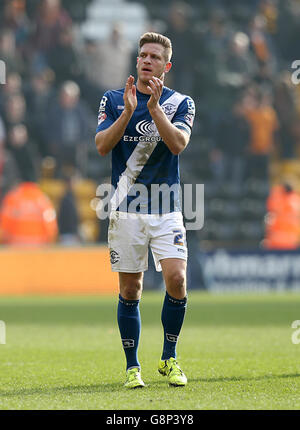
point(133, 378)
point(171, 369)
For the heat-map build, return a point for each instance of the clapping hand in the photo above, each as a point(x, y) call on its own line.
point(156, 88)
point(130, 100)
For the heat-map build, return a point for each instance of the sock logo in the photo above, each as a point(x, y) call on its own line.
point(171, 337)
point(128, 343)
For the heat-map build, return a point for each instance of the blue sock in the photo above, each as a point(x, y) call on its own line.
point(129, 321)
point(172, 317)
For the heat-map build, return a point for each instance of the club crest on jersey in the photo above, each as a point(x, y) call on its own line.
point(169, 108)
point(146, 128)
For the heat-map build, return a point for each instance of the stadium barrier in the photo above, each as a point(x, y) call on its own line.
point(56, 270)
point(87, 270)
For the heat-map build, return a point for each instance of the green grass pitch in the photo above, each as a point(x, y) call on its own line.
point(65, 353)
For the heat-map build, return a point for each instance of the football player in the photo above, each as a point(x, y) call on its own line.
point(146, 126)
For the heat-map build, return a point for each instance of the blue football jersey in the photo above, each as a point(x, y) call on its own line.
point(145, 173)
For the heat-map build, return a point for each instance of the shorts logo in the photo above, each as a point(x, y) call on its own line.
point(128, 343)
point(171, 337)
point(114, 257)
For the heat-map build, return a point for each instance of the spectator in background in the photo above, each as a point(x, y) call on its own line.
point(19, 146)
point(180, 31)
point(8, 52)
point(288, 31)
point(18, 141)
point(286, 109)
point(27, 217)
point(264, 124)
point(262, 47)
point(269, 10)
point(9, 173)
point(15, 18)
point(284, 97)
point(210, 63)
point(217, 37)
point(232, 140)
point(62, 58)
point(115, 53)
point(90, 79)
point(288, 138)
point(51, 19)
point(283, 219)
point(104, 65)
point(240, 66)
point(12, 87)
point(40, 96)
point(68, 217)
point(235, 72)
point(68, 128)
point(15, 110)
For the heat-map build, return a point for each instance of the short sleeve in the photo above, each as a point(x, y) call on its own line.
point(185, 114)
point(105, 114)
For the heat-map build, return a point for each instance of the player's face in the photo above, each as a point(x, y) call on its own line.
point(151, 62)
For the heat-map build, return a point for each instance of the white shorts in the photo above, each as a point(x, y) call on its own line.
point(131, 234)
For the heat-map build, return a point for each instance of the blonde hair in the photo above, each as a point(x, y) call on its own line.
point(160, 39)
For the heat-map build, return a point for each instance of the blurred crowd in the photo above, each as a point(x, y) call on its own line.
point(233, 57)
point(239, 72)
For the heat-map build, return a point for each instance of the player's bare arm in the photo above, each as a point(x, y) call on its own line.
point(107, 139)
point(175, 139)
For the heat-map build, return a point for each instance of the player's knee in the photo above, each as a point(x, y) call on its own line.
point(177, 280)
point(132, 290)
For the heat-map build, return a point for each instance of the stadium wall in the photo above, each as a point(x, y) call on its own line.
point(87, 270)
point(56, 270)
